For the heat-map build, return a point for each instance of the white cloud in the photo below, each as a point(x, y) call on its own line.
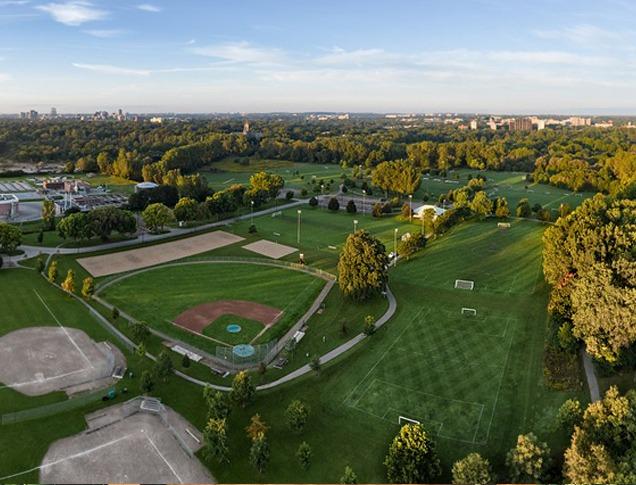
point(73, 13)
point(148, 7)
point(105, 33)
point(109, 69)
point(4, 77)
point(241, 52)
point(547, 57)
point(11, 3)
point(587, 34)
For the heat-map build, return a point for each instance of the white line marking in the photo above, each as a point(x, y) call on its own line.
point(63, 329)
point(70, 457)
point(164, 459)
point(417, 315)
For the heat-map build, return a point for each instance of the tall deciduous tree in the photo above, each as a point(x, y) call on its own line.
point(602, 449)
point(48, 214)
point(215, 440)
point(88, 287)
point(259, 453)
point(242, 389)
point(472, 470)
point(588, 259)
point(412, 457)
point(528, 460)
point(297, 414)
point(156, 216)
point(68, 284)
point(362, 267)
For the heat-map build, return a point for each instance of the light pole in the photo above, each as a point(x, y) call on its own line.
point(395, 233)
point(251, 212)
point(355, 225)
point(410, 207)
point(298, 230)
point(364, 201)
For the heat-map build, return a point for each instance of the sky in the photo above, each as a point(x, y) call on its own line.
point(415, 56)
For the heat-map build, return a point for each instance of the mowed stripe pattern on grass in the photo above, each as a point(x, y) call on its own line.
point(124, 261)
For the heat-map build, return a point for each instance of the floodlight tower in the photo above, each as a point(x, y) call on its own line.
point(298, 227)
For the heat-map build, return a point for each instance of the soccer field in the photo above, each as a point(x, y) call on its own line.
point(446, 367)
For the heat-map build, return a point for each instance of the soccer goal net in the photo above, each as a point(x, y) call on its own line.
point(503, 225)
point(464, 284)
point(469, 312)
point(404, 420)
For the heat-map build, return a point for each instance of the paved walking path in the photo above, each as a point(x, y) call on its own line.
point(590, 375)
point(329, 356)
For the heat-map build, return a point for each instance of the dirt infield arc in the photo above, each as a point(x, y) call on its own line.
point(197, 318)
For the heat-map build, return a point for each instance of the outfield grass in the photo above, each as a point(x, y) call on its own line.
point(158, 296)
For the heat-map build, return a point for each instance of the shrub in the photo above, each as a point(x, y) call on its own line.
point(333, 205)
point(313, 202)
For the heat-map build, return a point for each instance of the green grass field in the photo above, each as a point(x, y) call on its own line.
point(475, 383)
point(158, 296)
point(226, 172)
point(510, 185)
point(218, 330)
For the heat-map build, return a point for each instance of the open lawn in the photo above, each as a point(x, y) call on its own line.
point(475, 383)
point(159, 295)
point(226, 172)
point(511, 185)
point(322, 232)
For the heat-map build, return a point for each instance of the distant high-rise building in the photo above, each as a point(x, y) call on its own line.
point(246, 127)
point(580, 121)
point(520, 124)
point(492, 124)
point(53, 112)
point(473, 124)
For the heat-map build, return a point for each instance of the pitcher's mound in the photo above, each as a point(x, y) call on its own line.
point(39, 360)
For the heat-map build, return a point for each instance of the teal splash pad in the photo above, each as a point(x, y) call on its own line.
point(233, 328)
point(243, 350)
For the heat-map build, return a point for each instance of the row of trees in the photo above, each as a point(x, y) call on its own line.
point(574, 158)
point(100, 222)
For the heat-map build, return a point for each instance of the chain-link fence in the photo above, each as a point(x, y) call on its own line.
point(51, 409)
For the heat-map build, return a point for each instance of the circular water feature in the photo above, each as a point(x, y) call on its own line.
point(243, 350)
point(233, 328)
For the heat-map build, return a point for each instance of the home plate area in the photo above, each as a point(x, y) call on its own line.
point(128, 443)
point(270, 249)
point(40, 360)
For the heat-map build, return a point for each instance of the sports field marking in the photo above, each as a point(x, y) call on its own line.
point(64, 329)
point(501, 378)
point(44, 379)
point(70, 457)
point(174, 472)
point(388, 385)
point(397, 339)
point(198, 334)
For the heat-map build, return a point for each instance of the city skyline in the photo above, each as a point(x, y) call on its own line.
point(483, 56)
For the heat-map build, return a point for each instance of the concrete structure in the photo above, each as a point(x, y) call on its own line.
point(145, 186)
point(418, 212)
point(9, 206)
point(580, 121)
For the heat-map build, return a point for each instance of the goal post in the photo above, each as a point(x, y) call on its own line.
point(469, 312)
point(464, 284)
point(503, 225)
point(404, 420)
